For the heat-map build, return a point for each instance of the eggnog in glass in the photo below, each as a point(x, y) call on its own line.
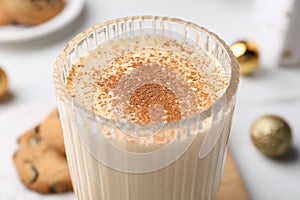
point(146, 105)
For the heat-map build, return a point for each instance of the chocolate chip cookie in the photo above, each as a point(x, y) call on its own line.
point(51, 132)
point(32, 12)
point(5, 18)
point(40, 167)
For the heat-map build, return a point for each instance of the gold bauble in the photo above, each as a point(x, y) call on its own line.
point(247, 55)
point(271, 135)
point(3, 83)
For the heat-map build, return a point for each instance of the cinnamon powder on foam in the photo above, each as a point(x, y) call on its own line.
point(101, 80)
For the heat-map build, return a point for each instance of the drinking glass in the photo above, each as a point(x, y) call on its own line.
point(114, 160)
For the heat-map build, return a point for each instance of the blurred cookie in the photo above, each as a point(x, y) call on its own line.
point(51, 132)
point(32, 12)
point(4, 16)
point(39, 167)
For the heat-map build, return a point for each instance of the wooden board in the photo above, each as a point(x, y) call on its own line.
point(232, 186)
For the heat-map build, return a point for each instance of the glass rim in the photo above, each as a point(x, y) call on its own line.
point(63, 95)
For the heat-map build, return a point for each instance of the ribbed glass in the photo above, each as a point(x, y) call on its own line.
point(188, 168)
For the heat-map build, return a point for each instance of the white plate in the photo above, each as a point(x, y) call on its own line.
point(16, 33)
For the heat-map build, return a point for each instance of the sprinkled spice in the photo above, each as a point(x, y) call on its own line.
point(147, 79)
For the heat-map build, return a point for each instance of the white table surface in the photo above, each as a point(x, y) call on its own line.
point(272, 89)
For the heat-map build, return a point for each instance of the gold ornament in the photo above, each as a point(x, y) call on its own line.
point(271, 135)
point(3, 83)
point(247, 55)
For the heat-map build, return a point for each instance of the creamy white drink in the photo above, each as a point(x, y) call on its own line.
point(147, 118)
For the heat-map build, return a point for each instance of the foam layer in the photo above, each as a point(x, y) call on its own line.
point(147, 79)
